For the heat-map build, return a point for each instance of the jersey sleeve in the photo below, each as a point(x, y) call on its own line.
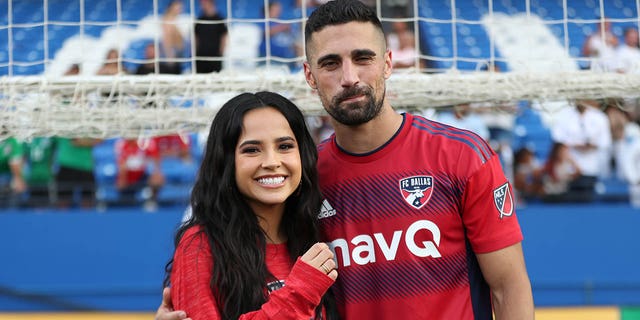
point(298, 299)
point(489, 209)
point(190, 290)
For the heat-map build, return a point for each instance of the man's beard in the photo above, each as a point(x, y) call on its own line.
point(356, 113)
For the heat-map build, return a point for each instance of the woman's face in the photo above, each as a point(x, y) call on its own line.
point(267, 159)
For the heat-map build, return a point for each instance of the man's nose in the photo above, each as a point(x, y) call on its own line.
point(349, 74)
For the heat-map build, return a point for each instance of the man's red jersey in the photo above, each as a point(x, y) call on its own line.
point(407, 220)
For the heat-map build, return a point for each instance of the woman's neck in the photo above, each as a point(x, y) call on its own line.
point(270, 220)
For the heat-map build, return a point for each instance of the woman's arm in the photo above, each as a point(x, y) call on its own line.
point(191, 274)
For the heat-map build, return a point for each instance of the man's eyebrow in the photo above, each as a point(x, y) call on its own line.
point(354, 53)
point(362, 52)
point(327, 57)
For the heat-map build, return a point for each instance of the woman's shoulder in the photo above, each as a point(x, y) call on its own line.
point(194, 237)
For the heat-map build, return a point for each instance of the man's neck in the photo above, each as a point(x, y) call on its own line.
point(369, 136)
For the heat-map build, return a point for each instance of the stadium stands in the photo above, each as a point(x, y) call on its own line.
point(32, 36)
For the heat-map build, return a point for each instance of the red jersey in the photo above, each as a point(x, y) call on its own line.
point(407, 220)
point(135, 158)
point(294, 296)
point(173, 145)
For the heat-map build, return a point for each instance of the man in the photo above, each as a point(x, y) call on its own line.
point(628, 53)
point(12, 182)
point(419, 214)
point(586, 130)
point(211, 37)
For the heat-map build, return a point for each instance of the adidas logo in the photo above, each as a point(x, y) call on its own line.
point(327, 210)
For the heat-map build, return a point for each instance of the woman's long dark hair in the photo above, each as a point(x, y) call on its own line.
point(237, 242)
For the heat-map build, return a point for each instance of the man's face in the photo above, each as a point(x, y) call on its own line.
point(348, 65)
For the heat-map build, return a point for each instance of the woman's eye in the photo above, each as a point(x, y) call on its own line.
point(249, 150)
point(287, 146)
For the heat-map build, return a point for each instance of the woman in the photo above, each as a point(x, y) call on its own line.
point(250, 248)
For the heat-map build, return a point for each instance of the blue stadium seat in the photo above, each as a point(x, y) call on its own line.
point(612, 189)
point(177, 170)
point(174, 194)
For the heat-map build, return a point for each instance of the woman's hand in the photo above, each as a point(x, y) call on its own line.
point(320, 257)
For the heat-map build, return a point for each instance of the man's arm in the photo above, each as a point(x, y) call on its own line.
point(507, 277)
point(165, 310)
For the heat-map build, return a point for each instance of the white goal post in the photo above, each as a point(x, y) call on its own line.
point(86, 105)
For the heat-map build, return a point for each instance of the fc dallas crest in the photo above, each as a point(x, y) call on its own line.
point(417, 190)
point(503, 200)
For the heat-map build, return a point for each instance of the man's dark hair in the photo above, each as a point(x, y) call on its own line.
point(337, 12)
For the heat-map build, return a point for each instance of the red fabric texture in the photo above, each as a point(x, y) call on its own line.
point(192, 271)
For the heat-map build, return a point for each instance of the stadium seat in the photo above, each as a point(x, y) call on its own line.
point(177, 170)
point(172, 194)
point(612, 189)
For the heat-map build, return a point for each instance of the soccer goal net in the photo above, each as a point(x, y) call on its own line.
point(58, 77)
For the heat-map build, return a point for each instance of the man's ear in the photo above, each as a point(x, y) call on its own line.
point(388, 64)
point(308, 76)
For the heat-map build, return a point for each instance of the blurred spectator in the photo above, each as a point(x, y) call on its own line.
point(138, 170)
point(586, 131)
point(527, 175)
point(397, 8)
point(559, 173)
point(630, 164)
point(462, 116)
point(211, 38)
point(624, 132)
point(618, 120)
point(74, 69)
point(278, 40)
point(12, 183)
point(112, 64)
point(311, 5)
point(74, 158)
point(499, 117)
point(600, 46)
point(174, 145)
point(150, 65)
point(393, 35)
point(320, 127)
point(628, 53)
point(39, 171)
point(406, 54)
point(172, 43)
point(74, 161)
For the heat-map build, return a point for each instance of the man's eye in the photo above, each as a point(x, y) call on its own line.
point(329, 64)
point(363, 59)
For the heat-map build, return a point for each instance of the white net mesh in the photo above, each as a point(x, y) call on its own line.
point(537, 43)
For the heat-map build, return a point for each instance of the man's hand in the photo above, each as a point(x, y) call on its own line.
point(166, 312)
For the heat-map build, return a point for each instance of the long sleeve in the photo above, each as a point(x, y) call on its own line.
point(298, 298)
point(191, 275)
